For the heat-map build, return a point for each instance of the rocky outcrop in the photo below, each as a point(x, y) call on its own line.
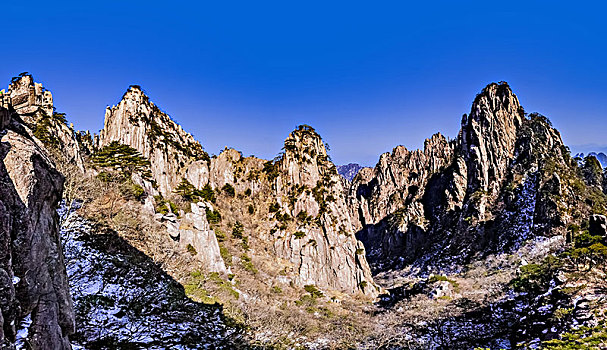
point(139, 123)
point(388, 200)
point(35, 299)
point(34, 104)
point(329, 256)
point(325, 253)
point(488, 137)
point(28, 98)
point(452, 194)
point(194, 234)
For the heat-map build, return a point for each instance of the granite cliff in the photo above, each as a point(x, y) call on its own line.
point(496, 238)
point(303, 183)
point(35, 299)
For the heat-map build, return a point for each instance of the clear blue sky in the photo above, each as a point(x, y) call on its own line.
point(368, 75)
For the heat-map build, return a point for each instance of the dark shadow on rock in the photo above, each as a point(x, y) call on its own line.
point(124, 300)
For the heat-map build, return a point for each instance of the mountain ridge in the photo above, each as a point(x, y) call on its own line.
point(423, 228)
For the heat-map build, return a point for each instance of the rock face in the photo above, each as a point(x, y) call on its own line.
point(488, 136)
point(34, 104)
point(388, 200)
point(329, 256)
point(597, 225)
point(451, 194)
point(35, 296)
point(139, 123)
point(194, 232)
point(326, 254)
point(28, 97)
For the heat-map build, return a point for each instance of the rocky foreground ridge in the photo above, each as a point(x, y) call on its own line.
point(494, 238)
point(34, 294)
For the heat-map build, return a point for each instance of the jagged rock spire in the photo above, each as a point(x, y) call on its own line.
point(28, 97)
point(139, 123)
point(488, 136)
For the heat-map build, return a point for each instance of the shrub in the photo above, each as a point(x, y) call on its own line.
point(208, 194)
point(164, 206)
point(191, 194)
point(137, 191)
point(220, 235)
point(271, 170)
point(225, 255)
point(251, 209)
point(247, 192)
point(247, 264)
point(535, 278)
point(274, 207)
point(299, 234)
point(314, 292)
point(213, 216)
point(237, 230)
point(191, 250)
point(229, 190)
point(123, 159)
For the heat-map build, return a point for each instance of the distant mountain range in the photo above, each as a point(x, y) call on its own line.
point(349, 170)
point(601, 157)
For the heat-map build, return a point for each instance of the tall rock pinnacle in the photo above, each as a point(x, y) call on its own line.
point(488, 136)
point(139, 123)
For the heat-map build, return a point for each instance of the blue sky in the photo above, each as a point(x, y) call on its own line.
point(367, 75)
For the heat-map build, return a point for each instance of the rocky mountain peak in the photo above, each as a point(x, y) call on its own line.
point(28, 97)
point(305, 158)
point(139, 123)
point(488, 135)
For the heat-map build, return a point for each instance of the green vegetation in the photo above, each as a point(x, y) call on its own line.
point(225, 255)
point(247, 264)
point(164, 206)
point(587, 249)
point(195, 287)
point(191, 194)
point(535, 278)
point(220, 235)
point(579, 338)
point(159, 136)
point(44, 125)
point(247, 192)
point(191, 250)
point(274, 207)
point(304, 218)
point(437, 278)
point(238, 230)
point(229, 190)
point(213, 216)
point(123, 159)
point(270, 169)
point(314, 292)
point(251, 209)
point(299, 234)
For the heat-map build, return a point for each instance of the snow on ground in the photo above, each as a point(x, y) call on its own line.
point(122, 299)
